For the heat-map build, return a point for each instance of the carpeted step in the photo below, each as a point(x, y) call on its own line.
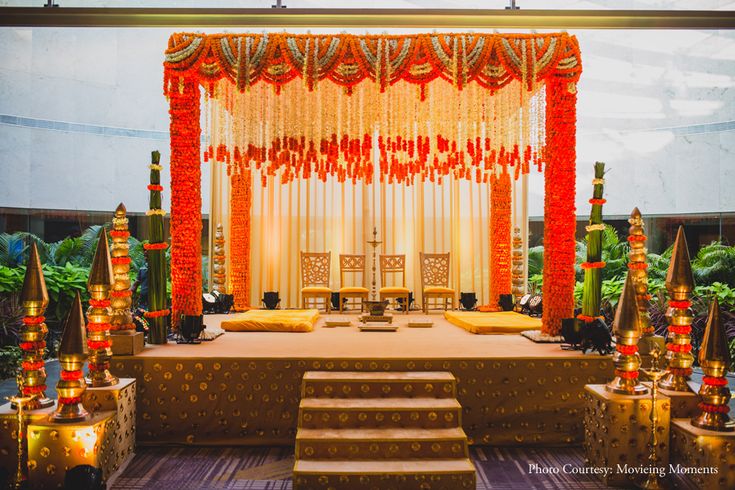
point(397, 443)
point(322, 413)
point(435, 474)
point(359, 384)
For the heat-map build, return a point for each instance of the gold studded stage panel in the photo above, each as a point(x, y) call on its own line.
point(243, 388)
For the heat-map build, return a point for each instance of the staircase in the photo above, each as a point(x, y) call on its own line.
point(381, 430)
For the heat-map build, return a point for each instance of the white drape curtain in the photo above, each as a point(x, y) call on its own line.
point(314, 216)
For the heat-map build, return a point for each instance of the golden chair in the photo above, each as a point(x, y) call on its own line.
point(315, 278)
point(352, 264)
point(435, 280)
point(391, 264)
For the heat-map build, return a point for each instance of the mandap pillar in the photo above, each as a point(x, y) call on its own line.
point(560, 220)
point(186, 198)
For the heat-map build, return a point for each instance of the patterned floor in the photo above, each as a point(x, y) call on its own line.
point(189, 468)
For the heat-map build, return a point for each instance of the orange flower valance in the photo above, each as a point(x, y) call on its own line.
point(491, 60)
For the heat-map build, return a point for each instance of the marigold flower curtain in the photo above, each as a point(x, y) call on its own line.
point(423, 107)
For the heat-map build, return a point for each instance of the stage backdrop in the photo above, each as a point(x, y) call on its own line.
point(406, 110)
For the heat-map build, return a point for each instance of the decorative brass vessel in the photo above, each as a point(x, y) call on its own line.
point(72, 354)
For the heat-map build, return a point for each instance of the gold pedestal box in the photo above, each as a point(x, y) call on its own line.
point(127, 344)
point(9, 433)
point(54, 448)
point(705, 457)
point(617, 430)
point(119, 398)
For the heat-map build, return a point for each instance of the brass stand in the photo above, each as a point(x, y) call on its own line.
point(654, 481)
point(21, 471)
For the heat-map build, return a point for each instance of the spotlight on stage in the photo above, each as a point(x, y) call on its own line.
point(190, 329)
point(401, 306)
point(223, 303)
point(468, 301)
point(506, 302)
point(271, 300)
point(84, 477)
point(335, 301)
point(216, 302)
point(535, 306)
point(523, 303)
point(571, 331)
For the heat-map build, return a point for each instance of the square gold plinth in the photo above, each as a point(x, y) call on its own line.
point(54, 448)
point(9, 433)
point(705, 457)
point(119, 398)
point(127, 344)
point(617, 430)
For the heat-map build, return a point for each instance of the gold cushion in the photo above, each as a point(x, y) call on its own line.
point(438, 289)
point(394, 290)
point(354, 290)
point(271, 321)
point(316, 290)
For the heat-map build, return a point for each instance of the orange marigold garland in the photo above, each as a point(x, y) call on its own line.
point(240, 203)
point(500, 224)
point(560, 219)
point(186, 199)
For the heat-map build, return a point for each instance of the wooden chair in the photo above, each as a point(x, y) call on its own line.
point(435, 279)
point(315, 278)
point(394, 264)
point(354, 264)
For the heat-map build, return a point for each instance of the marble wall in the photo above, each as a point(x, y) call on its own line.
point(81, 109)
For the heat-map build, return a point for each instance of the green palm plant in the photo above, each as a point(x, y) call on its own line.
point(714, 263)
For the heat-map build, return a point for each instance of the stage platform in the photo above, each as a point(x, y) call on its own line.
point(244, 387)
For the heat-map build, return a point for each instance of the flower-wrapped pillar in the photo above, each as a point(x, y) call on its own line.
point(186, 199)
point(158, 312)
point(593, 266)
point(240, 205)
point(560, 219)
point(72, 354)
point(34, 299)
point(219, 273)
point(120, 295)
point(517, 270)
point(99, 316)
point(500, 224)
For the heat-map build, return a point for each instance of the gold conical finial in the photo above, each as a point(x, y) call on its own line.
point(74, 336)
point(627, 320)
point(120, 212)
point(636, 214)
point(72, 354)
point(679, 279)
point(714, 359)
point(714, 351)
point(101, 276)
point(34, 296)
point(627, 332)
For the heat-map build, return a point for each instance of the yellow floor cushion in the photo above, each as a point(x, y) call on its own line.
point(438, 289)
point(272, 321)
point(354, 289)
point(316, 289)
point(492, 323)
point(394, 290)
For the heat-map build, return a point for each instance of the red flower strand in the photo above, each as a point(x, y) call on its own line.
point(680, 329)
point(626, 374)
point(32, 366)
point(155, 246)
point(69, 400)
point(71, 375)
point(98, 327)
point(682, 305)
point(681, 371)
point(714, 381)
point(627, 350)
point(593, 265)
point(155, 187)
point(637, 265)
point(32, 345)
point(598, 202)
point(33, 320)
point(119, 233)
point(121, 294)
point(99, 303)
point(98, 344)
point(679, 347)
point(706, 407)
point(637, 238)
point(120, 260)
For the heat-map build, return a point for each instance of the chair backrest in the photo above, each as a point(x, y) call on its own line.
point(434, 270)
point(351, 263)
point(391, 264)
point(315, 268)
